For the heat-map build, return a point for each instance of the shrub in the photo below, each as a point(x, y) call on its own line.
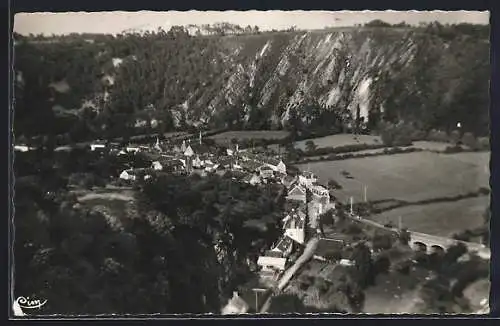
point(353, 229)
point(452, 149)
point(382, 242)
point(470, 141)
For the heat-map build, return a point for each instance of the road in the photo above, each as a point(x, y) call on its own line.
point(289, 273)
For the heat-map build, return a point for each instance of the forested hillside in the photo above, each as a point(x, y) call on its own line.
point(88, 85)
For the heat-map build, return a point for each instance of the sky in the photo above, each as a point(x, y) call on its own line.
point(118, 21)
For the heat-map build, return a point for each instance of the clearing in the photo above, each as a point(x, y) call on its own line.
point(225, 137)
point(441, 219)
point(340, 140)
point(410, 177)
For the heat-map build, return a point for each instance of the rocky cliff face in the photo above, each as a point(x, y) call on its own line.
point(256, 81)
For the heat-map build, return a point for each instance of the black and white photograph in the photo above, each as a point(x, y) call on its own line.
point(227, 163)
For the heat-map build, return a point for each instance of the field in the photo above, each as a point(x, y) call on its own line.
point(409, 177)
point(340, 140)
point(442, 219)
point(225, 137)
point(414, 177)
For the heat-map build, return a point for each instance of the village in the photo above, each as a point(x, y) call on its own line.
point(301, 227)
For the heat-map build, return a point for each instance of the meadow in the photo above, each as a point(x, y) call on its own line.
point(441, 219)
point(340, 140)
point(414, 177)
point(410, 177)
point(226, 137)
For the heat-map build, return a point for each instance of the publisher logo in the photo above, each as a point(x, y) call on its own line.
point(23, 304)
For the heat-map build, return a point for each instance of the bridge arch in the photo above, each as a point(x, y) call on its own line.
point(419, 246)
point(437, 249)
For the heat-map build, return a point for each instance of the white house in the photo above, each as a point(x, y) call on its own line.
point(272, 264)
point(281, 168)
point(132, 149)
point(320, 194)
point(127, 175)
point(197, 163)
point(266, 171)
point(294, 225)
point(96, 146)
point(229, 152)
point(157, 166)
point(22, 148)
point(189, 152)
point(346, 262)
point(307, 179)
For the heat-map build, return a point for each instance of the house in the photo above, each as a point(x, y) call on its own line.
point(22, 148)
point(281, 168)
point(133, 149)
point(236, 305)
point(272, 263)
point(320, 194)
point(346, 262)
point(97, 145)
point(128, 175)
point(284, 246)
point(294, 225)
point(197, 163)
point(189, 152)
point(253, 179)
point(297, 193)
point(211, 167)
point(307, 179)
point(266, 172)
point(157, 166)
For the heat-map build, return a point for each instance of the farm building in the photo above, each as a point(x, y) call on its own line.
point(236, 305)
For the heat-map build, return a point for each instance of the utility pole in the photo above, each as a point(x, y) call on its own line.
point(257, 291)
point(352, 212)
point(400, 224)
point(365, 190)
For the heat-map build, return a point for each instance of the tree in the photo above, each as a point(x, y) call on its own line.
point(382, 242)
point(404, 237)
point(469, 140)
point(363, 265)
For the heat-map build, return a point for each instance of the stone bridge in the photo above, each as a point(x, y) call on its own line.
point(432, 243)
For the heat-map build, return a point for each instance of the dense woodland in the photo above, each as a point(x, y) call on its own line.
point(84, 86)
point(181, 246)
